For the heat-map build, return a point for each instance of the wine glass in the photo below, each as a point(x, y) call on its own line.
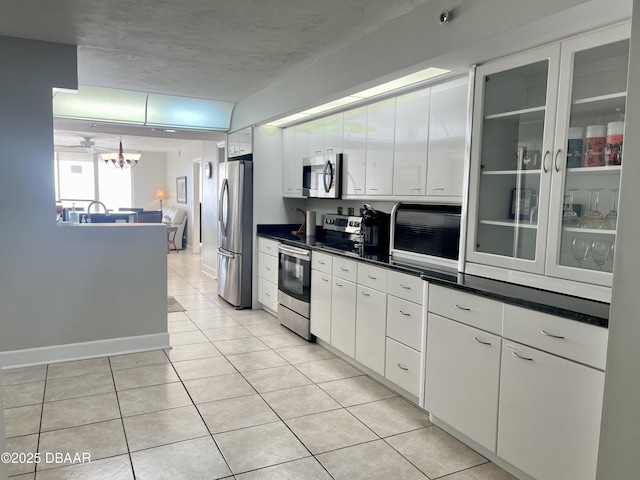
point(580, 249)
point(600, 251)
point(569, 216)
point(612, 215)
point(592, 218)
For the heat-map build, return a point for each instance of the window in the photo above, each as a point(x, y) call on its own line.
point(81, 177)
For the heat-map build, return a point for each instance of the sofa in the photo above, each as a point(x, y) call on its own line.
point(176, 217)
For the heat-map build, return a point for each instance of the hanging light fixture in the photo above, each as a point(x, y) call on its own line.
point(121, 159)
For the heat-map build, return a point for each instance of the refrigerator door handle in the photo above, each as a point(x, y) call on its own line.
point(225, 254)
point(224, 205)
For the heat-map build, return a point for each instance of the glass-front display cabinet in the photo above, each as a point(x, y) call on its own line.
point(546, 159)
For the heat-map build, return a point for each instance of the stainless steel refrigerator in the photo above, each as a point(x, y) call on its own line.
point(235, 228)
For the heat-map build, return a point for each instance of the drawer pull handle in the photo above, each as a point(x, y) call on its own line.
point(405, 287)
point(402, 367)
point(320, 262)
point(372, 277)
point(481, 341)
point(366, 294)
point(551, 335)
point(338, 284)
point(437, 189)
point(268, 268)
point(405, 314)
point(268, 247)
point(344, 269)
point(268, 295)
point(515, 354)
point(463, 308)
point(325, 279)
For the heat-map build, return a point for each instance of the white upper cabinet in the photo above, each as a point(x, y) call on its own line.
point(542, 177)
point(334, 134)
point(288, 161)
point(239, 143)
point(380, 137)
point(411, 143)
point(448, 113)
point(315, 131)
point(355, 150)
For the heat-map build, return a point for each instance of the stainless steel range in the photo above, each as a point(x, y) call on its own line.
point(294, 289)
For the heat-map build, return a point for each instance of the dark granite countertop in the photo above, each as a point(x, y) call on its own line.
point(575, 308)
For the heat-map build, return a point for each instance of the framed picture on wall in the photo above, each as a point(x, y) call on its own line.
point(181, 189)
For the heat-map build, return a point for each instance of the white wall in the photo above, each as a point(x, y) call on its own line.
point(620, 431)
point(210, 210)
point(148, 176)
point(62, 285)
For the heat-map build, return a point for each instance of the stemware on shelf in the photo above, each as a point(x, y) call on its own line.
point(612, 215)
point(600, 251)
point(569, 216)
point(580, 249)
point(592, 217)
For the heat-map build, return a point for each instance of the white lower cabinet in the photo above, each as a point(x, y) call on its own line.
point(268, 274)
point(463, 373)
point(402, 366)
point(343, 316)
point(321, 305)
point(371, 326)
point(549, 417)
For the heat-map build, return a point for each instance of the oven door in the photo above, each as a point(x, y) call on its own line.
point(294, 278)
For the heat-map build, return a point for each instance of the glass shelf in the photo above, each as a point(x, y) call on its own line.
point(534, 114)
point(510, 172)
point(607, 170)
point(589, 231)
point(513, 224)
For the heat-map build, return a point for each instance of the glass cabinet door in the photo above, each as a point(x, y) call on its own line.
point(588, 157)
point(511, 160)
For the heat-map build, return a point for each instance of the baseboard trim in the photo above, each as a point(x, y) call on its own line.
point(80, 351)
point(210, 271)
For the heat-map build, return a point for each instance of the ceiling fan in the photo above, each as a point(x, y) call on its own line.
point(87, 144)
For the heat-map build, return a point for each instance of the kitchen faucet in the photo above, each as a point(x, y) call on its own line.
point(89, 209)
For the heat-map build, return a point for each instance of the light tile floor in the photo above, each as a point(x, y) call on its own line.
point(238, 396)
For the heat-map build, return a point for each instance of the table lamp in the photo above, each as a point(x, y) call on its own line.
point(161, 195)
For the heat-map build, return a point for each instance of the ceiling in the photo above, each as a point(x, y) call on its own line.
point(214, 49)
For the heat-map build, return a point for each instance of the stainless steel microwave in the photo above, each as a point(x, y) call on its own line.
point(322, 176)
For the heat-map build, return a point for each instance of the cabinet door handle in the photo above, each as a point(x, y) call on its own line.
point(402, 367)
point(481, 341)
point(344, 269)
point(415, 188)
point(268, 268)
point(515, 354)
point(437, 188)
point(321, 262)
point(268, 295)
point(372, 277)
point(324, 279)
point(555, 160)
point(463, 308)
point(405, 287)
point(365, 294)
point(338, 284)
point(545, 169)
point(405, 314)
point(373, 189)
point(552, 335)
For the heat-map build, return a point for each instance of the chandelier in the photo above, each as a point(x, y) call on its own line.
point(121, 159)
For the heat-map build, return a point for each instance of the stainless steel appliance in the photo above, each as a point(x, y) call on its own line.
point(322, 176)
point(294, 289)
point(426, 234)
point(235, 225)
point(343, 231)
point(375, 228)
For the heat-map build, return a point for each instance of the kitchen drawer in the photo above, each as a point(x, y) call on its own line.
point(345, 269)
point(321, 262)
point(402, 366)
point(268, 267)
point(268, 294)
point(372, 277)
point(567, 338)
point(473, 310)
point(405, 286)
point(268, 246)
point(404, 322)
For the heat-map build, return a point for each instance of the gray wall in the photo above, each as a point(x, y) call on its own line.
point(3, 443)
point(62, 285)
point(620, 434)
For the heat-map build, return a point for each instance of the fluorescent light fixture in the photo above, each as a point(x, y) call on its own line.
point(407, 80)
